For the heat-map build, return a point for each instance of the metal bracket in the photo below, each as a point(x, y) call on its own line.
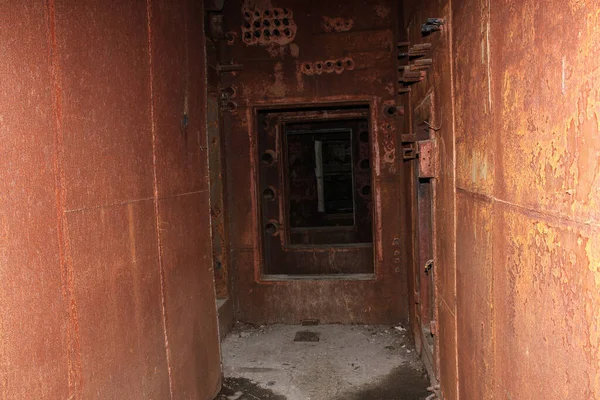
point(428, 158)
point(410, 152)
point(229, 67)
point(428, 266)
point(432, 25)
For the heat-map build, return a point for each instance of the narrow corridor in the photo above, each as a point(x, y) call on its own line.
point(184, 183)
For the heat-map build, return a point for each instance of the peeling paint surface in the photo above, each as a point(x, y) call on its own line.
point(524, 94)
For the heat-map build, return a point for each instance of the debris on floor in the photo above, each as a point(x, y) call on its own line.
point(245, 389)
point(348, 362)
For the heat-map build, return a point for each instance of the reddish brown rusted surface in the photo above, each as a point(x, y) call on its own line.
point(516, 87)
point(361, 36)
point(106, 286)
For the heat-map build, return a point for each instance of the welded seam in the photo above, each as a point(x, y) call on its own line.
point(161, 269)
point(455, 211)
point(204, 93)
point(492, 211)
point(74, 365)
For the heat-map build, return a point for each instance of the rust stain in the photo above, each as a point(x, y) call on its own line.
point(382, 11)
point(278, 88)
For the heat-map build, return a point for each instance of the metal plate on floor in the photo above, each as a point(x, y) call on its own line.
point(307, 336)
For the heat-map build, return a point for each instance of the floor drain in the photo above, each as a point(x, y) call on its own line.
point(307, 336)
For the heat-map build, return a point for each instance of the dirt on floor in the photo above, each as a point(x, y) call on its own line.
point(346, 363)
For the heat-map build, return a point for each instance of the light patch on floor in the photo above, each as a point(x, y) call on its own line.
point(347, 363)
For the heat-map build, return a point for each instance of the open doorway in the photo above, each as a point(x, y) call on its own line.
point(314, 180)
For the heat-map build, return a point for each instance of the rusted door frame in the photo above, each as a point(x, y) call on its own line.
point(309, 103)
point(426, 167)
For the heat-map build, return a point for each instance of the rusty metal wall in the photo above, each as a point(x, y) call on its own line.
point(106, 288)
point(361, 35)
point(516, 86)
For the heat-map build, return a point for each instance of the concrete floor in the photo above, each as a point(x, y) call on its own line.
point(348, 363)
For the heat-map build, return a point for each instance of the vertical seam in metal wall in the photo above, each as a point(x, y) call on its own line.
point(452, 102)
point(204, 92)
point(155, 188)
point(491, 250)
point(74, 366)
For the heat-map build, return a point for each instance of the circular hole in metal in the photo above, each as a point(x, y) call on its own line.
point(319, 66)
point(256, 14)
point(266, 22)
point(276, 13)
point(391, 110)
point(247, 15)
point(286, 22)
point(328, 64)
point(269, 194)
point(276, 32)
point(247, 35)
point(268, 157)
point(257, 34)
point(285, 11)
point(364, 164)
point(364, 137)
point(247, 25)
point(307, 66)
point(229, 91)
point(287, 32)
point(230, 36)
point(276, 22)
point(267, 13)
point(257, 24)
point(271, 228)
point(365, 190)
point(339, 63)
point(266, 33)
point(231, 106)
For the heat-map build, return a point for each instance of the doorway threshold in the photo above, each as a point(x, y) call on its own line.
point(331, 277)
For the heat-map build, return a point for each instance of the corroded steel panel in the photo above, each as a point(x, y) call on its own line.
point(34, 327)
point(276, 76)
point(91, 304)
point(190, 301)
point(102, 87)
